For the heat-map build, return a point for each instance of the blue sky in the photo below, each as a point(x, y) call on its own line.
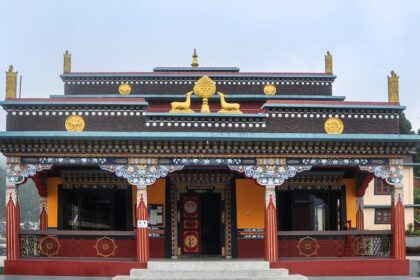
point(367, 39)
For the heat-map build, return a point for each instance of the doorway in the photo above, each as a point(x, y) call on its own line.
point(201, 224)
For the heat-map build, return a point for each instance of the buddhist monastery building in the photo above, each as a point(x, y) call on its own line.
point(199, 162)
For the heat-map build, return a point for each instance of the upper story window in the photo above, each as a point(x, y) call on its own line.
point(382, 216)
point(382, 187)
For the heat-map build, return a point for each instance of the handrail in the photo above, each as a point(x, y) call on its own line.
point(78, 232)
point(334, 232)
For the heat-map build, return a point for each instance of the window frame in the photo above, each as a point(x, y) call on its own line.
point(379, 185)
point(381, 221)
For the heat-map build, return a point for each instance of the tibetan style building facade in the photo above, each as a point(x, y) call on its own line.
point(194, 162)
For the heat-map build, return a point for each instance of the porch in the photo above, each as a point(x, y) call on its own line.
point(68, 248)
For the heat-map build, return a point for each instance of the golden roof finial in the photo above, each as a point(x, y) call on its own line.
point(393, 90)
point(11, 83)
point(67, 62)
point(194, 59)
point(328, 63)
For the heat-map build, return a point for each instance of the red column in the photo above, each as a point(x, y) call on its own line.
point(270, 233)
point(142, 231)
point(398, 223)
point(360, 220)
point(43, 214)
point(12, 222)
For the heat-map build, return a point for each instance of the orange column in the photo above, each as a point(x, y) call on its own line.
point(12, 222)
point(43, 214)
point(360, 220)
point(270, 225)
point(142, 231)
point(398, 223)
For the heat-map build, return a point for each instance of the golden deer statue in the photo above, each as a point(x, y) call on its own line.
point(182, 107)
point(228, 108)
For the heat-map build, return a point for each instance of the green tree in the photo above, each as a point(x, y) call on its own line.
point(405, 125)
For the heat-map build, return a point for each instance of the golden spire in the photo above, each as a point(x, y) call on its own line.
point(328, 63)
point(67, 62)
point(393, 91)
point(11, 83)
point(194, 63)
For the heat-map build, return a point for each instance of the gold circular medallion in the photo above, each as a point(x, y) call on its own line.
point(75, 123)
point(190, 241)
point(124, 89)
point(270, 89)
point(205, 87)
point(334, 126)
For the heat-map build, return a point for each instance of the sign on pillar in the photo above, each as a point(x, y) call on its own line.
point(142, 232)
point(270, 236)
point(12, 221)
point(398, 222)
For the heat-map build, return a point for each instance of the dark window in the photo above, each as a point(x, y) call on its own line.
point(382, 216)
point(382, 187)
point(95, 209)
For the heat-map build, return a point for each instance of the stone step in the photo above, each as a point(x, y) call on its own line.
point(207, 265)
point(289, 277)
point(208, 274)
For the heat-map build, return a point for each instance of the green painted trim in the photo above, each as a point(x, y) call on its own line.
point(174, 96)
point(212, 136)
point(199, 115)
point(297, 105)
point(412, 164)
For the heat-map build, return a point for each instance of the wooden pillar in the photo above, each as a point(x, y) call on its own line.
point(12, 222)
point(270, 225)
point(360, 219)
point(397, 222)
point(142, 231)
point(43, 214)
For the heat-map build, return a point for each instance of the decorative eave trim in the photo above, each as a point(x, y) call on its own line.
point(209, 136)
point(61, 103)
point(334, 106)
point(174, 96)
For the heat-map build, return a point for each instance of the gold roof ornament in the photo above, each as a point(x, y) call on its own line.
point(67, 62)
point(124, 89)
point(75, 123)
point(328, 63)
point(393, 88)
point(205, 88)
point(334, 126)
point(11, 83)
point(194, 63)
point(270, 89)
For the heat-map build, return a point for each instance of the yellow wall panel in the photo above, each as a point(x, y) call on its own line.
point(250, 204)
point(351, 200)
point(52, 200)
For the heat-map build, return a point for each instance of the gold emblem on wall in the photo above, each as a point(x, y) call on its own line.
point(308, 246)
point(75, 123)
point(49, 246)
point(205, 88)
point(124, 89)
point(334, 126)
point(270, 89)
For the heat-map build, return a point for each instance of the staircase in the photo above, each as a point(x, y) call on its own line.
point(209, 269)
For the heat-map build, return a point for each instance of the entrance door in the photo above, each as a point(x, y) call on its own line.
point(201, 224)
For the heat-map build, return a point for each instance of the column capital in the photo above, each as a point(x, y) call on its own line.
point(393, 172)
point(270, 175)
point(270, 195)
point(141, 174)
point(17, 172)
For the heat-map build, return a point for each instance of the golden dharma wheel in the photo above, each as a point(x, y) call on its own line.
point(334, 126)
point(205, 87)
point(124, 89)
point(270, 89)
point(75, 123)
